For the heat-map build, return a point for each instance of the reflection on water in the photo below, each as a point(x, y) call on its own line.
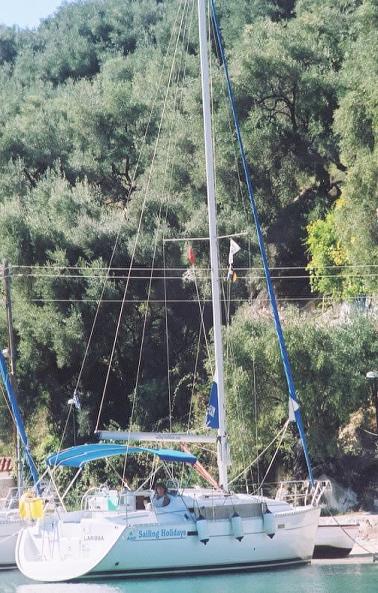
point(14, 582)
point(359, 578)
point(67, 588)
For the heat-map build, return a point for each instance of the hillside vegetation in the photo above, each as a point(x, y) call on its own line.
point(85, 151)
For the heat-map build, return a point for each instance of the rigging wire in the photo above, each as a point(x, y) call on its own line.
point(114, 249)
point(178, 102)
point(194, 375)
point(230, 358)
point(184, 55)
point(232, 133)
point(227, 300)
point(115, 245)
point(256, 419)
point(164, 202)
point(7, 404)
point(167, 340)
point(201, 310)
point(146, 312)
point(139, 226)
point(275, 453)
point(279, 434)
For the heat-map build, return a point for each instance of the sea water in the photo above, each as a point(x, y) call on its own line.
point(350, 578)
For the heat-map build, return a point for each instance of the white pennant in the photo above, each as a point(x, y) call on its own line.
point(234, 248)
point(293, 407)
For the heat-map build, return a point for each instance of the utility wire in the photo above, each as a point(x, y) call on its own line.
point(195, 301)
point(123, 302)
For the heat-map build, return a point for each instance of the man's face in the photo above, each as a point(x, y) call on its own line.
point(160, 490)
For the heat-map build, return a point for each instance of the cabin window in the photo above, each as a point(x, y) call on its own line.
point(142, 501)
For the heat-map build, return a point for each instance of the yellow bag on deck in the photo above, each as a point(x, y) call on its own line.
point(30, 507)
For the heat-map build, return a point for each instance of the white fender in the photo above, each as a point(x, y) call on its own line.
point(237, 526)
point(270, 524)
point(202, 529)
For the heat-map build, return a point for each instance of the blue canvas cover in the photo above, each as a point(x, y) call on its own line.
point(82, 454)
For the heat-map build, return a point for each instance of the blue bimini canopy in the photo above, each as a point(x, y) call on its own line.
point(82, 454)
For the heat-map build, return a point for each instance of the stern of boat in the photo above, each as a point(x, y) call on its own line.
point(55, 550)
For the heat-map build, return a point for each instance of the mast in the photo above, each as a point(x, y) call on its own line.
point(12, 362)
point(222, 448)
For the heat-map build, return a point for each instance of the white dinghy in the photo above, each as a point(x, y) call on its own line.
point(126, 533)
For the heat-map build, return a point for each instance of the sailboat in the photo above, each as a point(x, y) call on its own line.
point(199, 530)
point(10, 520)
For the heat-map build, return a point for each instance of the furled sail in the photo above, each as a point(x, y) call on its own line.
point(17, 418)
point(212, 412)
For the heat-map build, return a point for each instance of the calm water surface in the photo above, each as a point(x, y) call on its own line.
point(353, 578)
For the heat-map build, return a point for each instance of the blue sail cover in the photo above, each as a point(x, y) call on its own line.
point(82, 454)
point(17, 418)
point(212, 412)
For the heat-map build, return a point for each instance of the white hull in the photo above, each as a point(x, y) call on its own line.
point(335, 540)
point(154, 543)
point(10, 525)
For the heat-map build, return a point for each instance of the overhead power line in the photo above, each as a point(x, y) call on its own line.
point(204, 274)
point(146, 268)
point(195, 300)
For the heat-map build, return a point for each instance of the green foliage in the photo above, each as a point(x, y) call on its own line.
point(329, 365)
point(83, 157)
point(353, 226)
point(8, 44)
point(330, 271)
point(287, 94)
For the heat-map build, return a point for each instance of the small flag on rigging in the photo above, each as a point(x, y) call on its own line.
point(234, 248)
point(191, 255)
point(293, 407)
point(74, 401)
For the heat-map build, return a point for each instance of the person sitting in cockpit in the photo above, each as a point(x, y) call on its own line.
point(161, 497)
